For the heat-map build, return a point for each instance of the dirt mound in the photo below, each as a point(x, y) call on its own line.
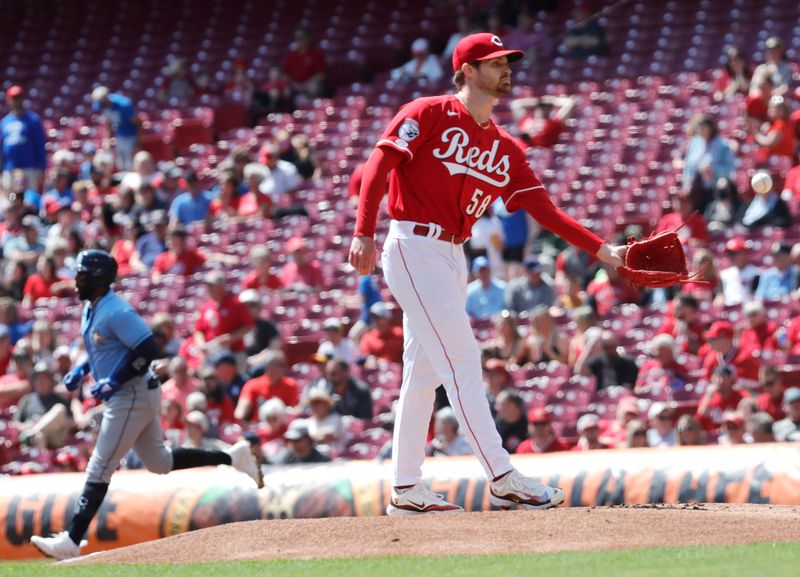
point(472, 533)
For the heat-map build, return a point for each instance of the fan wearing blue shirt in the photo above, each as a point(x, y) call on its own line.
point(121, 117)
point(23, 141)
point(485, 295)
point(192, 205)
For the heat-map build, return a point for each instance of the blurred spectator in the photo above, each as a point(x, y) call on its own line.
point(147, 204)
point(788, 429)
point(226, 369)
point(585, 342)
point(690, 433)
point(759, 332)
point(9, 316)
point(121, 120)
point(223, 320)
point(260, 276)
point(485, 295)
point(61, 190)
point(325, 426)
point(422, 66)
point(196, 427)
point(508, 345)
point(663, 371)
point(164, 323)
point(515, 237)
point(545, 341)
point(6, 349)
point(732, 430)
point(447, 441)
point(282, 176)
point(305, 66)
point(43, 416)
point(771, 400)
point(766, 209)
point(616, 433)
point(542, 438)
point(463, 28)
point(662, 426)
point(486, 240)
point(757, 102)
point(23, 141)
point(254, 203)
point(178, 84)
point(154, 242)
point(273, 383)
point(589, 433)
point(45, 283)
point(608, 290)
point(301, 272)
point(43, 341)
point(776, 67)
point(192, 205)
point(369, 294)
point(739, 280)
point(226, 204)
point(705, 282)
point(265, 335)
point(220, 406)
point(384, 342)
point(181, 384)
point(497, 379)
point(350, 395)
point(747, 407)
point(303, 157)
point(636, 435)
point(178, 259)
point(274, 95)
point(734, 77)
point(335, 345)
point(511, 421)
point(708, 159)
point(168, 182)
point(759, 428)
point(524, 34)
point(779, 138)
point(238, 85)
point(720, 396)
point(610, 368)
point(691, 227)
point(585, 37)
point(124, 250)
point(780, 279)
point(540, 121)
point(25, 248)
point(725, 210)
point(301, 447)
point(723, 351)
point(529, 291)
point(272, 420)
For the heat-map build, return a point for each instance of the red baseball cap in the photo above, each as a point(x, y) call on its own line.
point(15, 91)
point(483, 46)
point(538, 415)
point(720, 329)
point(735, 245)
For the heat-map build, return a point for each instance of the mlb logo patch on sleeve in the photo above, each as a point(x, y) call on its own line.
point(409, 130)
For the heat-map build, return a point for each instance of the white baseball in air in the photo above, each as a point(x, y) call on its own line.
point(761, 182)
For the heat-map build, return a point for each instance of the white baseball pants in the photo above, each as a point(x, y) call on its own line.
point(428, 277)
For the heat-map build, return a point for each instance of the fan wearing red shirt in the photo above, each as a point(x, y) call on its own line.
point(684, 325)
point(384, 342)
point(44, 284)
point(719, 398)
point(691, 227)
point(608, 290)
point(759, 334)
point(543, 127)
point(757, 101)
point(223, 320)
point(220, 405)
point(793, 336)
point(771, 400)
point(227, 202)
point(780, 137)
point(541, 436)
point(301, 272)
point(6, 349)
point(178, 259)
point(254, 202)
point(792, 182)
point(261, 276)
point(273, 383)
point(724, 352)
point(305, 65)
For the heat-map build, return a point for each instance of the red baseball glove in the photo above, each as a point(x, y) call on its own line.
point(657, 261)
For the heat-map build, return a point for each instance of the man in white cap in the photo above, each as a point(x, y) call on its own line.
point(121, 119)
point(335, 345)
point(662, 426)
point(422, 66)
point(589, 433)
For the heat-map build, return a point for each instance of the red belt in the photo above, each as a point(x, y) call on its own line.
point(424, 230)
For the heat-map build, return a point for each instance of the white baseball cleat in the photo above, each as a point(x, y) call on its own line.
point(517, 490)
point(418, 500)
point(59, 546)
point(243, 459)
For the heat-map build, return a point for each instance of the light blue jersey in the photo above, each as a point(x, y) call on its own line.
point(111, 329)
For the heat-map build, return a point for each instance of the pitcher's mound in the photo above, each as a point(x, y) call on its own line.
point(471, 533)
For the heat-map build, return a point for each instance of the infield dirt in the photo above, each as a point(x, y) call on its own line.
point(567, 529)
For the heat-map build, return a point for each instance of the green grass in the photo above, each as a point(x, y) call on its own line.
point(762, 560)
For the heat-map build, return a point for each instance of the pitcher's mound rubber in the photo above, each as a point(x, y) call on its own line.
point(567, 529)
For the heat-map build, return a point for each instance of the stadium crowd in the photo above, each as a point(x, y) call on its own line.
point(567, 363)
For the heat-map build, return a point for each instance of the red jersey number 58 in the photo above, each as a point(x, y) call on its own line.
point(478, 203)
